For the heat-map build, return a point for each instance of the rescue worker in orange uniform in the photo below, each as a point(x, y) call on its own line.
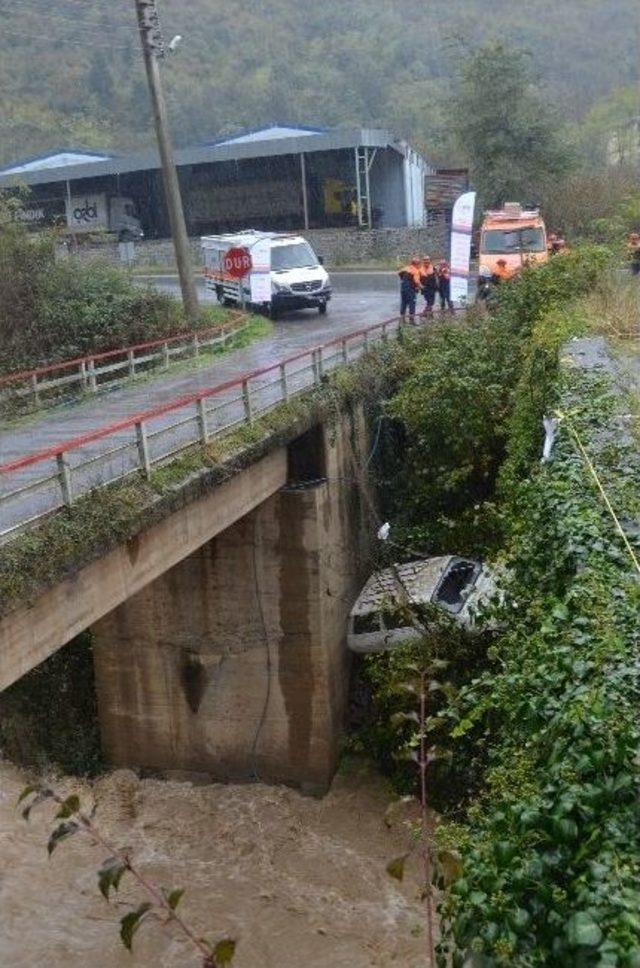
point(556, 244)
point(409, 288)
point(428, 284)
point(444, 286)
point(633, 251)
point(502, 272)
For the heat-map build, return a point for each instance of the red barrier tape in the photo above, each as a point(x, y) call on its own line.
point(76, 442)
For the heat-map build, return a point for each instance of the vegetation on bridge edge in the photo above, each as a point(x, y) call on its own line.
point(111, 515)
point(537, 854)
point(54, 309)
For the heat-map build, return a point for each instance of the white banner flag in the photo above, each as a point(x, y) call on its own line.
point(260, 279)
point(461, 229)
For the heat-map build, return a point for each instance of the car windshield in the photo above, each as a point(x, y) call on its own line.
point(296, 256)
point(508, 241)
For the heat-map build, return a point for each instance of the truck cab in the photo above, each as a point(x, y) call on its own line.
point(514, 234)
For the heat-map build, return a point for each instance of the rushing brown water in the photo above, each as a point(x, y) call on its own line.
point(300, 883)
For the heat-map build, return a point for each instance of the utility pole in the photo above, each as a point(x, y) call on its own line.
point(153, 51)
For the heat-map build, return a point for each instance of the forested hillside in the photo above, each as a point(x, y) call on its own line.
point(71, 73)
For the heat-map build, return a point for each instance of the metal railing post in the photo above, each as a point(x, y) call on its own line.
point(143, 448)
point(320, 363)
point(284, 389)
point(246, 396)
point(83, 374)
point(64, 477)
point(132, 363)
point(165, 355)
point(93, 383)
point(384, 333)
point(34, 387)
point(314, 366)
point(202, 421)
point(196, 344)
point(345, 351)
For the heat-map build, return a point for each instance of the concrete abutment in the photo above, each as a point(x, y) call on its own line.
point(233, 663)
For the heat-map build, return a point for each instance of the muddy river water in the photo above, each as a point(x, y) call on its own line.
point(300, 883)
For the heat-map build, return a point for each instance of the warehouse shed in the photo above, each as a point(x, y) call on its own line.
point(279, 177)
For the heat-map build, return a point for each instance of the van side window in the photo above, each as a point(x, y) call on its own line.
point(393, 618)
point(365, 624)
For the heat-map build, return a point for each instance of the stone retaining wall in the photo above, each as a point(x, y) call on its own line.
point(336, 246)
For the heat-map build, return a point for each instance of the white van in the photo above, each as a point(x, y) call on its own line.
point(285, 274)
point(379, 620)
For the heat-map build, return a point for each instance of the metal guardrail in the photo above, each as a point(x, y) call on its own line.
point(37, 485)
point(92, 372)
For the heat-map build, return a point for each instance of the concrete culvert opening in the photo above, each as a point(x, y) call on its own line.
point(306, 457)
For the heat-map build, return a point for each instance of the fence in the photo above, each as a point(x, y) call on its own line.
point(35, 486)
point(89, 373)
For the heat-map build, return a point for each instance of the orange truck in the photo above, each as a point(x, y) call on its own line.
point(514, 234)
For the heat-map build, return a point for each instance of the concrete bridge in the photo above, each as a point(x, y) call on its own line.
point(219, 630)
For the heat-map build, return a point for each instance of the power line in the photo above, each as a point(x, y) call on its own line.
point(80, 23)
point(47, 40)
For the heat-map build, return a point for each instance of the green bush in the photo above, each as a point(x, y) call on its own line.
point(551, 866)
point(57, 309)
point(543, 729)
point(455, 408)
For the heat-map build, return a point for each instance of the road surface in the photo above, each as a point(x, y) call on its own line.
point(361, 299)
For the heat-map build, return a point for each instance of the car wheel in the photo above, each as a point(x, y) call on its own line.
point(322, 309)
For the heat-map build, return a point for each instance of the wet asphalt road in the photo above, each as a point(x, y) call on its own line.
point(360, 300)
point(357, 296)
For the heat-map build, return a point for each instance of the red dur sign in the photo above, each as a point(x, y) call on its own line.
point(237, 263)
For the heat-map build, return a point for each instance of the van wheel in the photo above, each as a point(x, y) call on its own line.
point(219, 294)
point(273, 312)
point(322, 309)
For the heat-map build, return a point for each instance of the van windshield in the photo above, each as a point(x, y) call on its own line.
point(298, 255)
point(506, 241)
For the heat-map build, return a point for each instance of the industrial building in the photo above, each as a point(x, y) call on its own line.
point(278, 178)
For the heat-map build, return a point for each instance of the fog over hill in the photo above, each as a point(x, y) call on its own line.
point(71, 70)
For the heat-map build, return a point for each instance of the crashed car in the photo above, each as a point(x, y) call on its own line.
point(378, 621)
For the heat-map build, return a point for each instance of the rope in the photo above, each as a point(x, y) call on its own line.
point(585, 456)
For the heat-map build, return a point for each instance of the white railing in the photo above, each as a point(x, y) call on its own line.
point(35, 486)
point(90, 373)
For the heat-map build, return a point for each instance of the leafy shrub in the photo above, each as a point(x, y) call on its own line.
point(544, 726)
point(551, 866)
point(455, 408)
point(386, 731)
point(56, 309)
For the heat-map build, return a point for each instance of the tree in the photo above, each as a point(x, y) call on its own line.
point(607, 125)
point(515, 144)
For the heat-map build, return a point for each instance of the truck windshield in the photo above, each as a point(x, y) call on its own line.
point(508, 241)
point(299, 255)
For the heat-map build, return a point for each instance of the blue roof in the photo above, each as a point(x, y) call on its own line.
point(270, 132)
point(59, 158)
